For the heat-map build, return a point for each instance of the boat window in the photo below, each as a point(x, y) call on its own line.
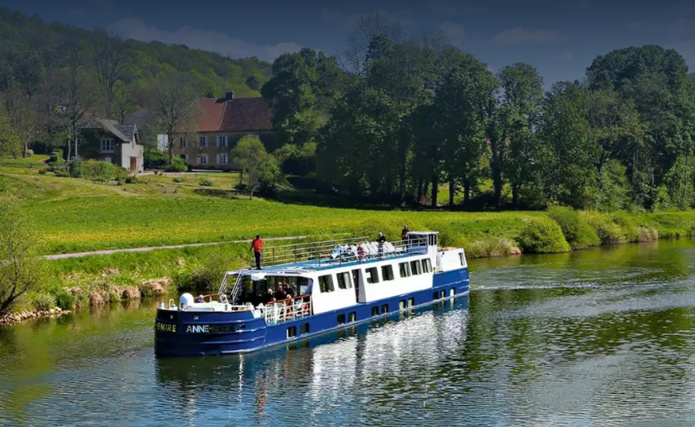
point(326, 283)
point(461, 258)
point(387, 272)
point(372, 275)
point(426, 265)
point(404, 269)
point(415, 267)
point(344, 280)
point(304, 285)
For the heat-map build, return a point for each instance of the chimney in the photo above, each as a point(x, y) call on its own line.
point(229, 95)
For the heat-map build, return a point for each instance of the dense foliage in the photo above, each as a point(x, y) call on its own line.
point(417, 115)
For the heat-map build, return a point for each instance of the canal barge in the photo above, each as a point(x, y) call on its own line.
point(311, 288)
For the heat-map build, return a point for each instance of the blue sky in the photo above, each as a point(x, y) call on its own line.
point(559, 37)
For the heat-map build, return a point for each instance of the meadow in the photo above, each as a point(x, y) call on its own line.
point(75, 215)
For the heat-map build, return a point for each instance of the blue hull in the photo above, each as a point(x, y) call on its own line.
point(181, 333)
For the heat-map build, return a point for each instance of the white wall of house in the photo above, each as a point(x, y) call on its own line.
point(132, 150)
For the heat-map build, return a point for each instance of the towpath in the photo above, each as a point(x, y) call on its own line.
point(152, 248)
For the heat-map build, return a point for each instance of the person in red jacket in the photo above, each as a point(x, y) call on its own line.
point(257, 248)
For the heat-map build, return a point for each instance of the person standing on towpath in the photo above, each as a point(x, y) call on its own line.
point(257, 248)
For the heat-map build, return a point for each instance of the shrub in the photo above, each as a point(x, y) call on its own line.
point(608, 231)
point(65, 300)
point(177, 179)
point(114, 297)
point(491, 247)
point(577, 232)
point(98, 170)
point(56, 157)
point(627, 225)
point(132, 180)
point(29, 153)
point(155, 159)
point(179, 165)
point(542, 235)
point(205, 183)
point(42, 301)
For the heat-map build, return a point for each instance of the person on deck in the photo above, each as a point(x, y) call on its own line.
point(380, 240)
point(280, 293)
point(404, 236)
point(257, 248)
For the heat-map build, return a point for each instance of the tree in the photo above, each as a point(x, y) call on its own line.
point(260, 167)
point(364, 30)
point(302, 91)
point(176, 109)
point(10, 142)
point(113, 60)
point(655, 82)
point(72, 99)
point(21, 267)
point(460, 104)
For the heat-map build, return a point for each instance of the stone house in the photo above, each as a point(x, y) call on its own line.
point(223, 122)
point(109, 141)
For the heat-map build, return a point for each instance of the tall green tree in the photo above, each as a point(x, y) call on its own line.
point(260, 167)
point(302, 91)
point(655, 81)
point(460, 103)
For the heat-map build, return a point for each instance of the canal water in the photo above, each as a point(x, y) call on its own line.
point(598, 337)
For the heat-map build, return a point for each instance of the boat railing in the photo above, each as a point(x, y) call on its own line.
point(339, 251)
point(287, 309)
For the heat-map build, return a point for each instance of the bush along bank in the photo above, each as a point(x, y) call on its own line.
point(565, 229)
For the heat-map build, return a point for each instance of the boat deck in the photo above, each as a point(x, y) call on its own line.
point(329, 263)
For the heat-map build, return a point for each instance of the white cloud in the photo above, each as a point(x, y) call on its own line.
point(454, 32)
point(520, 35)
point(212, 40)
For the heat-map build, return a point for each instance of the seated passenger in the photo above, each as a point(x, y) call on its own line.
point(288, 291)
point(268, 297)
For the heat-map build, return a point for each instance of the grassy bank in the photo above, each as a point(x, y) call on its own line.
point(80, 215)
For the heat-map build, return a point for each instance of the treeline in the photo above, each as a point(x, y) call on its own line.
point(54, 77)
point(414, 114)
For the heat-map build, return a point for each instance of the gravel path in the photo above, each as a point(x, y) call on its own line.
point(152, 248)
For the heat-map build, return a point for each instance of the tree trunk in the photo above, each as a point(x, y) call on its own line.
point(435, 190)
point(515, 195)
point(466, 191)
point(452, 191)
point(419, 191)
point(170, 148)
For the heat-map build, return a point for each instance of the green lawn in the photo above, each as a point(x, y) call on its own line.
point(79, 215)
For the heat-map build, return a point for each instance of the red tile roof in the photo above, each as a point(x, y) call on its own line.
point(235, 115)
point(209, 120)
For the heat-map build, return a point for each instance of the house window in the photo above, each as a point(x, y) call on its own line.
point(222, 140)
point(203, 141)
point(108, 145)
point(404, 269)
point(372, 275)
point(184, 157)
point(203, 159)
point(223, 159)
point(326, 283)
point(387, 272)
point(344, 280)
point(182, 142)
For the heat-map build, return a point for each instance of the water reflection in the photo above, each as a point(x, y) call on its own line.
point(603, 336)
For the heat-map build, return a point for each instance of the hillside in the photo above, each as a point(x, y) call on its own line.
point(31, 49)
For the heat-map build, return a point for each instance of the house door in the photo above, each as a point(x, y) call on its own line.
point(133, 164)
